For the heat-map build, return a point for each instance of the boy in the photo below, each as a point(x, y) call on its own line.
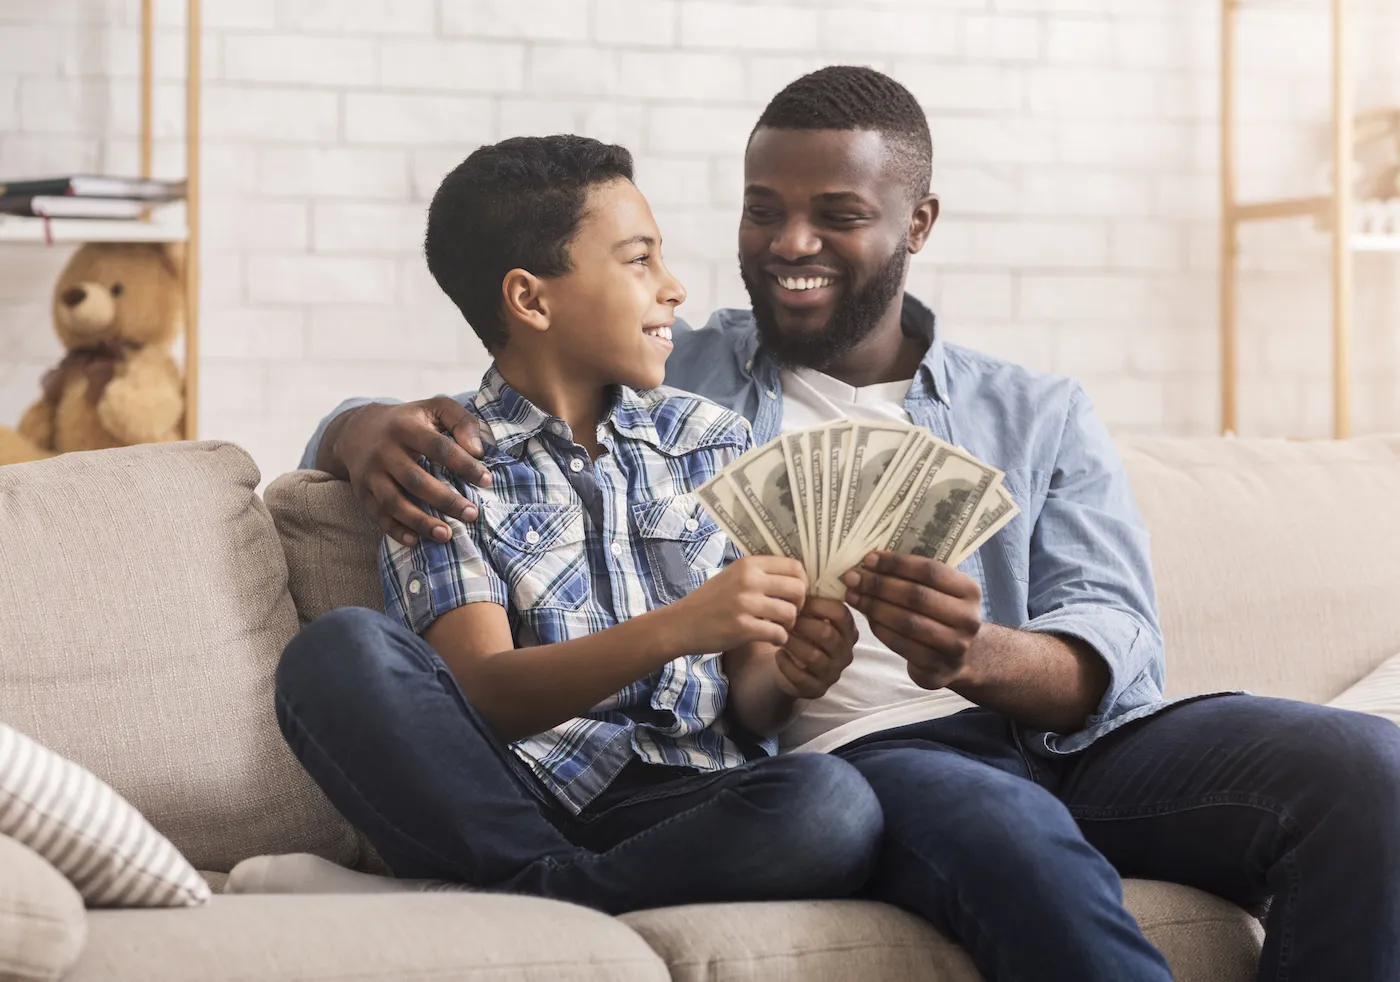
point(631, 669)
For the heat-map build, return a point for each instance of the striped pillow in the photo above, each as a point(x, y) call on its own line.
point(91, 834)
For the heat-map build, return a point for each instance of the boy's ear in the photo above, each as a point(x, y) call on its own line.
point(522, 300)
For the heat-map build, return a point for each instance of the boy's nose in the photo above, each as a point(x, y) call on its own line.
point(672, 290)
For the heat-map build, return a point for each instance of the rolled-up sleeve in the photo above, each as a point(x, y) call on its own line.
point(1090, 564)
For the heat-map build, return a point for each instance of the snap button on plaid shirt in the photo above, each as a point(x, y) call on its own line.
point(571, 546)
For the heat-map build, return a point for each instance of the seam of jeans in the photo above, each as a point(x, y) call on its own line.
point(1089, 814)
point(307, 735)
point(956, 895)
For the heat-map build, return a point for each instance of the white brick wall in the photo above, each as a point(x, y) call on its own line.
point(1076, 156)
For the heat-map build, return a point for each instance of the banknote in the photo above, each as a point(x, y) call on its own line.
point(830, 494)
point(795, 459)
point(722, 500)
point(946, 496)
point(993, 516)
point(764, 485)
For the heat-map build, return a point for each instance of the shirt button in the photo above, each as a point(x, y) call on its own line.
point(575, 465)
point(748, 365)
point(617, 548)
point(557, 427)
point(532, 537)
point(414, 587)
point(771, 394)
point(691, 525)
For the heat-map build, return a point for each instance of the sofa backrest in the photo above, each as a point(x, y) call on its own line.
point(1277, 563)
point(143, 607)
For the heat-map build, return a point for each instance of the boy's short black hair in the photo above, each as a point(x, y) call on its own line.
point(513, 204)
point(852, 97)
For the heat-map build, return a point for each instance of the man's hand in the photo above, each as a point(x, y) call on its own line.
point(376, 448)
point(924, 610)
point(819, 647)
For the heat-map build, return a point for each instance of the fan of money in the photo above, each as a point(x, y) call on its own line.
point(830, 495)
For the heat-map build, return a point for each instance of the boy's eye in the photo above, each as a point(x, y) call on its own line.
point(643, 259)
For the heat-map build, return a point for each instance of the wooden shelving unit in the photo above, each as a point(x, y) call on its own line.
point(14, 228)
point(1337, 209)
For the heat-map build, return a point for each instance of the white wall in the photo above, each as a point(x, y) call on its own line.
point(1076, 156)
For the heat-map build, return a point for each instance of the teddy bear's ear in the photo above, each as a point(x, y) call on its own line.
point(175, 255)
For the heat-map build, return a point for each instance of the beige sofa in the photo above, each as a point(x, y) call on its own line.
point(145, 595)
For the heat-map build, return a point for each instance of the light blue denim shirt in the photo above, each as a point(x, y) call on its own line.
point(1075, 562)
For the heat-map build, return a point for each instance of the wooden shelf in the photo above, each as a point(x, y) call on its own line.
point(22, 228)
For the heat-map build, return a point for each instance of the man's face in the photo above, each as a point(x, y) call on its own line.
point(825, 238)
point(611, 314)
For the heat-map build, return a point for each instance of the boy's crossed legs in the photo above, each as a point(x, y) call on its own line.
point(377, 719)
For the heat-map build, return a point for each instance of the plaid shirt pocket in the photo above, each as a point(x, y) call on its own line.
point(683, 545)
point(538, 550)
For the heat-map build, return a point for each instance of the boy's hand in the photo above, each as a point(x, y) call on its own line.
point(754, 599)
point(819, 647)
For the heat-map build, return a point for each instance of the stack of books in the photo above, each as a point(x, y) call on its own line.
point(87, 196)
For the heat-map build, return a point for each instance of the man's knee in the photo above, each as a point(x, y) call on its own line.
point(965, 816)
point(1348, 759)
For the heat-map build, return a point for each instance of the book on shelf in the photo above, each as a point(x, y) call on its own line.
point(95, 186)
point(51, 206)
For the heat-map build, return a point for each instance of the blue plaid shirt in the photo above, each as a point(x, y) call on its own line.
point(570, 546)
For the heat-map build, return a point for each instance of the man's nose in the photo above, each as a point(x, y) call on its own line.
point(795, 240)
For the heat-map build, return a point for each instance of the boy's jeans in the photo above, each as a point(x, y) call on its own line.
point(378, 721)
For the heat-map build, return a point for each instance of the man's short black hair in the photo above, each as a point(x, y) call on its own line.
point(513, 204)
point(852, 97)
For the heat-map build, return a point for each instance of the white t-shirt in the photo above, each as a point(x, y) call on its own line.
point(875, 693)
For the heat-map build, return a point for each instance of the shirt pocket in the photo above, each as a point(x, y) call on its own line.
point(1027, 487)
point(538, 550)
point(683, 545)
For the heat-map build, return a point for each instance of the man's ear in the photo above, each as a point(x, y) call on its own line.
point(522, 300)
point(921, 222)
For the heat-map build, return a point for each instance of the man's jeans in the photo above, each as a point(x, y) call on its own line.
point(378, 721)
point(1018, 856)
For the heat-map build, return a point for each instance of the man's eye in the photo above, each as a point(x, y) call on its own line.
point(844, 219)
point(759, 214)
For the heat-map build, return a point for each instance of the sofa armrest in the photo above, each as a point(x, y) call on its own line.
point(43, 925)
point(1377, 693)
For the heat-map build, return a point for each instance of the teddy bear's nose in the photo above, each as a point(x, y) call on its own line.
point(73, 296)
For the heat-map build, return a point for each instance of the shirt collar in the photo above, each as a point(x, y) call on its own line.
point(917, 321)
point(512, 419)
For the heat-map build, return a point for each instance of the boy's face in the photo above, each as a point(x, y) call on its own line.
point(610, 316)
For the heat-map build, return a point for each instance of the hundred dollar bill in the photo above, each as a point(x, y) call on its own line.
point(875, 447)
point(816, 486)
point(999, 509)
point(837, 442)
point(940, 509)
point(795, 457)
point(763, 482)
point(890, 497)
point(721, 499)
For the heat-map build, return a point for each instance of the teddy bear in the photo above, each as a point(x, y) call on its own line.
point(117, 308)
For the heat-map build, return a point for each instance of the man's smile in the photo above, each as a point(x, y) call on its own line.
point(802, 287)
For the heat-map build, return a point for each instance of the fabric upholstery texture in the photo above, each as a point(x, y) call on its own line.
point(1378, 693)
point(332, 546)
point(143, 607)
point(384, 937)
point(1267, 555)
point(1204, 939)
point(42, 921)
point(88, 832)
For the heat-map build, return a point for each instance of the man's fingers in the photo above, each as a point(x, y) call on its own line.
point(825, 607)
point(424, 439)
point(390, 506)
point(923, 571)
point(452, 417)
point(800, 682)
point(431, 491)
point(910, 624)
point(821, 633)
point(932, 603)
point(803, 651)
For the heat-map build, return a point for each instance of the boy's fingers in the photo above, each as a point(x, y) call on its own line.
point(775, 610)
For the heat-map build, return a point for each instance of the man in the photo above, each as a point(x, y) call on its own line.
point(1007, 824)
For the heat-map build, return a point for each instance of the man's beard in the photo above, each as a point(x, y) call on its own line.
point(856, 315)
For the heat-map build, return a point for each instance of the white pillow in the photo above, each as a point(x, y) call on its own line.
point(88, 832)
point(1377, 693)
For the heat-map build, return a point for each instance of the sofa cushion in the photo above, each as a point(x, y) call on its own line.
point(1204, 938)
point(42, 922)
point(143, 607)
point(1378, 693)
point(384, 937)
point(89, 832)
point(332, 546)
point(1276, 562)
